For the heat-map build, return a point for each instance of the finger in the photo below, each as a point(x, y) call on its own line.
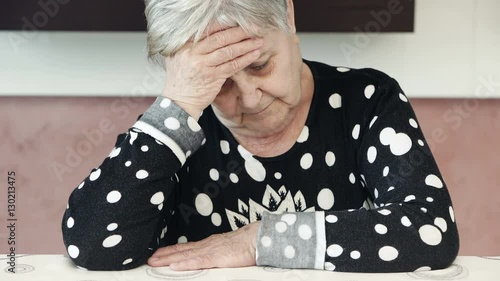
point(200, 262)
point(165, 260)
point(175, 249)
point(231, 67)
point(233, 51)
point(221, 39)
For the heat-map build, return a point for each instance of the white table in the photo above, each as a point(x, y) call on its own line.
point(59, 267)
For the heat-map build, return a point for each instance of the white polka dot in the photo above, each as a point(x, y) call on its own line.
point(390, 188)
point(381, 229)
point(255, 169)
point(430, 199)
point(70, 222)
point(441, 223)
point(115, 152)
point(133, 137)
point(160, 207)
point(326, 199)
point(81, 185)
point(372, 154)
point(413, 123)
point(128, 163)
point(224, 147)
point(304, 135)
point(399, 143)
point(157, 198)
point(95, 175)
point(331, 218)
point(127, 261)
point(343, 69)
point(165, 103)
point(355, 132)
point(403, 97)
point(193, 125)
point(352, 178)
point(234, 178)
point(245, 154)
point(334, 250)
point(384, 212)
point(410, 198)
point(369, 91)
point(203, 141)
point(289, 252)
point(112, 226)
point(329, 266)
point(372, 122)
point(203, 204)
point(188, 153)
point(290, 219)
point(111, 241)
point(434, 181)
point(172, 123)
point(405, 221)
point(182, 239)
point(113, 196)
point(266, 241)
point(67, 206)
point(216, 219)
point(386, 171)
point(214, 174)
point(355, 255)
point(420, 142)
point(277, 176)
point(305, 232)
point(144, 148)
point(158, 142)
point(388, 253)
point(306, 161)
point(430, 235)
point(452, 214)
point(280, 226)
point(423, 210)
point(330, 158)
point(375, 193)
point(141, 174)
point(335, 101)
point(73, 251)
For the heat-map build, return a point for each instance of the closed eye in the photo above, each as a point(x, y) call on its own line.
point(260, 67)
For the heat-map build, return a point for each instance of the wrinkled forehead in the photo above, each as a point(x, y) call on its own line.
point(254, 31)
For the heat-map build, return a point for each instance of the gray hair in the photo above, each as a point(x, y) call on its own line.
point(172, 23)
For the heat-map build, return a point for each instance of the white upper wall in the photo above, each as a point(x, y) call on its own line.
point(454, 49)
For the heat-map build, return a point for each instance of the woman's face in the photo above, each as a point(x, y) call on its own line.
point(262, 99)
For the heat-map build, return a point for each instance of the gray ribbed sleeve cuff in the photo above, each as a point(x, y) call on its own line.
point(168, 123)
point(292, 240)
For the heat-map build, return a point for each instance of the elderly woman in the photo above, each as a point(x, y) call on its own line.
point(255, 156)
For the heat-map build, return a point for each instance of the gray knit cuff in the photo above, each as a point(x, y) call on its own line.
point(292, 240)
point(168, 123)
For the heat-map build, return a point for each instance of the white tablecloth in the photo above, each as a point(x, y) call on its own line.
point(59, 267)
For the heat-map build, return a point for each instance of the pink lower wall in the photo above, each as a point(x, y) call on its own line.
point(53, 143)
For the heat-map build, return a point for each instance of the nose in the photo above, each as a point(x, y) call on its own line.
point(249, 95)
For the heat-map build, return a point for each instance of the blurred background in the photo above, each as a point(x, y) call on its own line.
point(74, 74)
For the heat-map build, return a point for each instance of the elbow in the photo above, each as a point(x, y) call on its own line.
point(444, 254)
point(86, 251)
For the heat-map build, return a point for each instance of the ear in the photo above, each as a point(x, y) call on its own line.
point(291, 16)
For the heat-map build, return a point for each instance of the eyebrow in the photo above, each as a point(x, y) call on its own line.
point(264, 54)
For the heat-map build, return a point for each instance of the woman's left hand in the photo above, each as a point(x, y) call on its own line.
point(230, 249)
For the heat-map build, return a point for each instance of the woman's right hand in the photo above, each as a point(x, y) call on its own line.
point(197, 72)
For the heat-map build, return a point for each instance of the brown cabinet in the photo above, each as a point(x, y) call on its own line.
point(128, 15)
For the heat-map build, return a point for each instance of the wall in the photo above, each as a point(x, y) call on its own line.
point(40, 134)
point(454, 43)
point(452, 54)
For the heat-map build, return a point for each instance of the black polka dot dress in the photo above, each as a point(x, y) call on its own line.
point(359, 191)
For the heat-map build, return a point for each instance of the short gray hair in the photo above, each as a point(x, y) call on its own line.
point(172, 23)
